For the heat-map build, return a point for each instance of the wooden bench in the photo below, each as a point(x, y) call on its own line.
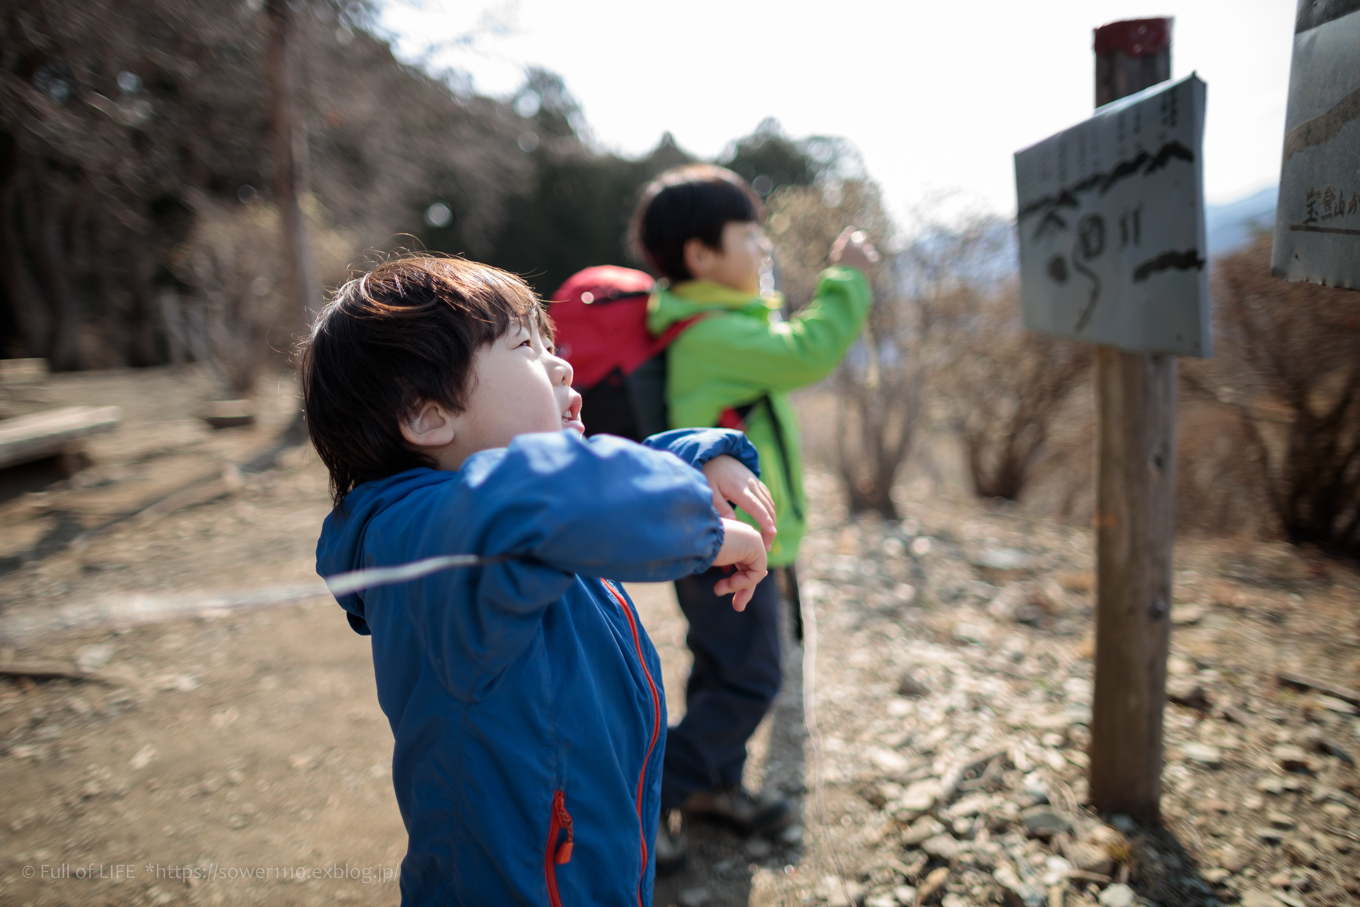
point(48, 433)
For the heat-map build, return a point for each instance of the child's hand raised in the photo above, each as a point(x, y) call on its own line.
point(732, 482)
point(744, 549)
point(853, 249)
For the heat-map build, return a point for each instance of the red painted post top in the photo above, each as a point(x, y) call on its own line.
point(1135, 37)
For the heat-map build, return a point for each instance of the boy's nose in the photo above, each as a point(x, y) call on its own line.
point(566, 373)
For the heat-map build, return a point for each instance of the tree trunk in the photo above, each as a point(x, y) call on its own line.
point(303, 284)
point(20, 288)
point(63, 339)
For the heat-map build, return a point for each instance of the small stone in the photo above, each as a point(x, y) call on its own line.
point(1279, 879)
point(694, 897)
point(1185, 615)
point(953, 900)
point(1117, 895)
point(1270, 784)
point(1292, 758)
point(908, 685)
point(1036, 790)
point(234, 778)
point(1090, 857)
point(1003, 560)
point(1233, 859)
point(921, 546)
point(920, 796)
point(142, 758)
point(1178, 666)
point(1280, 819)
point(237, 821)
point(1340, 706)
point(881, 899)
point(1189, 692)
point(1253, 801)
point(942, 847)
point(1216, 875)
point(905, 894)
point(758, 848)
point(933, 885)
point(1337, 812)
point(1124, 823)
point(1301, 853)
point(1044, 822)
point(890, 761)
point(1256, 898)
point(1269, 835)
point(842, 894)
point(920, 830)
point(1203, 754)
point(93, 657)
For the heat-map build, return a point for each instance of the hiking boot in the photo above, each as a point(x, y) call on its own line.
point(671, 847)
point(738, 810)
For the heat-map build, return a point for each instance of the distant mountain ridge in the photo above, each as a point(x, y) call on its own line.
point(1231, 226)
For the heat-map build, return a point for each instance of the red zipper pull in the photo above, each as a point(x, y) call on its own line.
point(564, 818)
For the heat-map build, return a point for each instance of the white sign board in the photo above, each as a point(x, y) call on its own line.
point(1317, 222)
point(1111, 225)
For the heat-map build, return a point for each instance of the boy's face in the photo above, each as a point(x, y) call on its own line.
point(737, 263)
point(517, 386)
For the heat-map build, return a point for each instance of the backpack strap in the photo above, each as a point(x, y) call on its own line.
point(667, 337)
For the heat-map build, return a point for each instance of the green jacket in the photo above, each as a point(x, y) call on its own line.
point(736, 355)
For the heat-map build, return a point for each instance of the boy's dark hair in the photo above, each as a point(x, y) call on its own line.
point(694, 201)
point(402, 334)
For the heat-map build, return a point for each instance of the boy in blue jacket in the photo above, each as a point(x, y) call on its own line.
point(524, 694)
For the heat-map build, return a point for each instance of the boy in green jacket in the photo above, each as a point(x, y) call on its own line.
point(699, 227)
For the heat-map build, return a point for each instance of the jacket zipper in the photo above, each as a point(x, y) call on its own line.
point(656, 726)
point(557, 854)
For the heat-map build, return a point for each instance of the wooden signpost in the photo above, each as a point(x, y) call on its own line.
point(1317, 221)
point(1111, 228)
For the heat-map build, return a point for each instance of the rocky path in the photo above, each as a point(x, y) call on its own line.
point(953, 690)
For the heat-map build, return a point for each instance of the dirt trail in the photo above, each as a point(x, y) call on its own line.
point(239, 757)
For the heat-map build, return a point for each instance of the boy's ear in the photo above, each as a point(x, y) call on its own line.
point(431, 425)
point(698, 258)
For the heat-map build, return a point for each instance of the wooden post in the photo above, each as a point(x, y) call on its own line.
point(1135, 504)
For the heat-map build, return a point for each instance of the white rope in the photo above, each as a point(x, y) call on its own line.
point(372, 577)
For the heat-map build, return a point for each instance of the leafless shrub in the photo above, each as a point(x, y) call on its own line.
point(1003, 386)
point(879, 384)
point(1287, 369)
point(238, 307)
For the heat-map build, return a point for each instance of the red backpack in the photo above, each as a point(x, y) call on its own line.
point(600, 316)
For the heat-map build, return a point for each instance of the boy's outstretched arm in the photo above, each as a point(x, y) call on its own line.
point(785, 356)
point(561, 506)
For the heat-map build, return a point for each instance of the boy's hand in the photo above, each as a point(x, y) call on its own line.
point(731, 481)
point(853, 249)
point(744, 549)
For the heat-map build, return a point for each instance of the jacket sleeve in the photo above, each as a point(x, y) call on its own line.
point(787, 355)
point(561, 506)
point(696, 446)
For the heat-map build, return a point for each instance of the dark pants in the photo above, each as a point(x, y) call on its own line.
point(732, 685)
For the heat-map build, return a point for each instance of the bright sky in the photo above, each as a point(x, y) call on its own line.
point(936, 96)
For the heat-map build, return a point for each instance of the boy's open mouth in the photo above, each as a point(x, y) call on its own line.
point(572, 417)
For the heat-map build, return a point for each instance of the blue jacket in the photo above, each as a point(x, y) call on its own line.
point(525, 696)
